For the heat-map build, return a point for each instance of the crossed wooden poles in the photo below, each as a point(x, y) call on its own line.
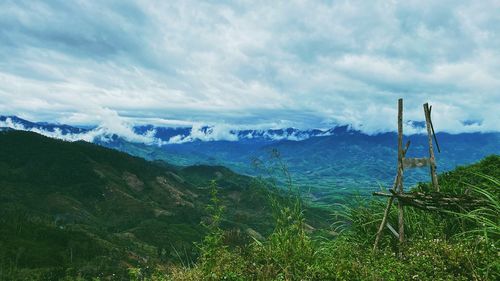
point(406, 163)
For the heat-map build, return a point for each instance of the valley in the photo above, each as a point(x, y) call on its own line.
point(327, 165)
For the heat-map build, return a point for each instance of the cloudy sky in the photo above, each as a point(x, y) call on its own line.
point(252, 63)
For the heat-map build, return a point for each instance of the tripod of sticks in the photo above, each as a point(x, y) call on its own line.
point(397, 191)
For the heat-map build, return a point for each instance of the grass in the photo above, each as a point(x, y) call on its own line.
point(439, 246)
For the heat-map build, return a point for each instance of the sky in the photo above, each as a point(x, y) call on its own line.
point(243, 64)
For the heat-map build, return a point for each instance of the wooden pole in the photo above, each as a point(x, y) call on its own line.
point(432, 128)
point(399, 176)
point(431, 150)
point(400, 170)
point(435, 201)
point(384, 218)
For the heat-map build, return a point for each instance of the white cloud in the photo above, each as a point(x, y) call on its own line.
point(201, 132)
point(113, 126)
point(251, 63)
point(110, 127)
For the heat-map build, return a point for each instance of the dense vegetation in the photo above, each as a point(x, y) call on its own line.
point(440, 245)
point(79, 211)
point(330, 168)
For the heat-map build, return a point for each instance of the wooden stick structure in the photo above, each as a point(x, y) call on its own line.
point(436, 201)
point(432, 161)
point(401, 235)
point(397, 191)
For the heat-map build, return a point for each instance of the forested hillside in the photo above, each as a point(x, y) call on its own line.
point(78, 210)
point(81, 209)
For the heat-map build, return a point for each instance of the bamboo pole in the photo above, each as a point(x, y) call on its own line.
point(431, 150)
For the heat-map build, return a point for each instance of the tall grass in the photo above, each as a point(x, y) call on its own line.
point(460, 245)
point(485, 219)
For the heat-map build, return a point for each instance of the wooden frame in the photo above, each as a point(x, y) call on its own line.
point(397, 191)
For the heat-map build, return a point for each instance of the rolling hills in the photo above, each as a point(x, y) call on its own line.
point(79, 208)
point(71, 209)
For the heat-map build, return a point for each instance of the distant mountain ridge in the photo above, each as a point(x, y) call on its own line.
point(162, 135)
point(171, 135)
point(15, 122)
point(326, 164)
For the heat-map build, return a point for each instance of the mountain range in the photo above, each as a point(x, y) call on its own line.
point(326, 164)
point(166, 135)
point(74, 208)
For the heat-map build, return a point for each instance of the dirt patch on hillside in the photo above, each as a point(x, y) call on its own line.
point(133, 181)
point(177, 195)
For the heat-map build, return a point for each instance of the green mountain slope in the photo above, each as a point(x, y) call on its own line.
point(330, 167)
point(447, 243)
point(78, 208)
